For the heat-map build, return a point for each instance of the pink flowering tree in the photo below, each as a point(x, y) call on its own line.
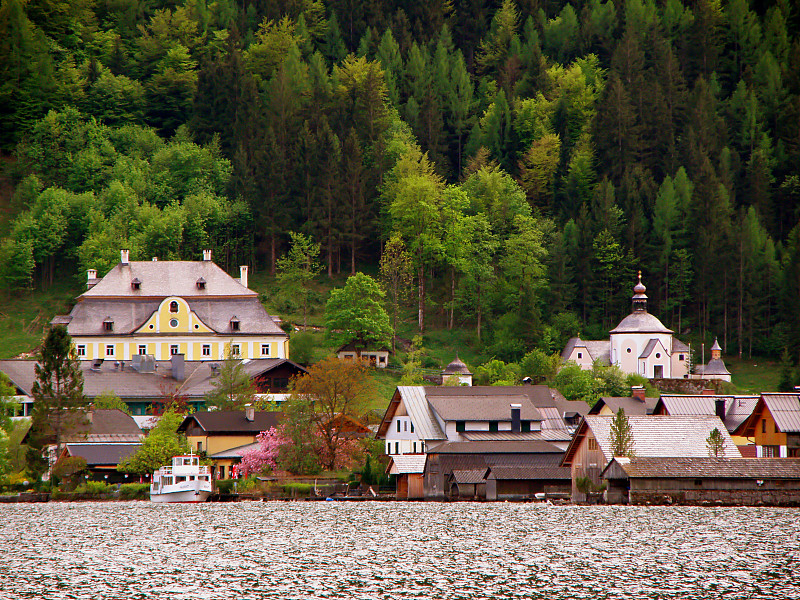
point(265, 455)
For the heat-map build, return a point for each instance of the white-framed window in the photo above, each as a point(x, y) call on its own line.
point(236, 350)
point(580, 354)
point(109, 349)
point(81, 350)
point(142, 349)
point(173, 323)
point(173, 349)
point(264, 349)
point(206, 349)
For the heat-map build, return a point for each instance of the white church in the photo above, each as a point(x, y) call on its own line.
point(639, 344)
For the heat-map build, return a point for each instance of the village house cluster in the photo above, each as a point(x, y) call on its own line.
point(151, 328)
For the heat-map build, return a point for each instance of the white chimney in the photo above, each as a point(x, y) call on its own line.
point(91, 274)
point(206, 254)
point(250, 412)
point(123, 257)
point(243, 275)
point(155, 259)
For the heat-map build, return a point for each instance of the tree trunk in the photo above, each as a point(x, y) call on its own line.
point(421, 299)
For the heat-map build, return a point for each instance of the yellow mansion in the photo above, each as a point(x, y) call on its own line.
point(164, 308)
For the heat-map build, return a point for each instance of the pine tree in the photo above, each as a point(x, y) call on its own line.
point(715, 443)
point(621, 435)
point(59, 404)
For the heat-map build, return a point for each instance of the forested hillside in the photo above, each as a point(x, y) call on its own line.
point(532, 155)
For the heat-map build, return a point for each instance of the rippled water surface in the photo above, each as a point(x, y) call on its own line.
point(396, 550)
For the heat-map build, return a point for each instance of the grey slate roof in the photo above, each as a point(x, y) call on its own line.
point(527, 473)
point(457, 367)
point(737, 408)
point(716, 366)
point(711, 467)
point(597, 349)
point(163, 278)
point(131, 385)
point(232, 422)
point(650, 347)
point(679, 346)
point(102, 454)
point(640, 322)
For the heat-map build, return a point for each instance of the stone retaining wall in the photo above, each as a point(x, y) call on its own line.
point(717, 497)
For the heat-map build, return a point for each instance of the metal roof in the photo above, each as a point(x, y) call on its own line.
point(496, 447)
point(785, 409)
point(710, 467)
point(545, 435)
point(737, 408)
point(416, 405)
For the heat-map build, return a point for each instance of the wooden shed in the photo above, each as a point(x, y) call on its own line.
point(524, 482)
point(408, 468)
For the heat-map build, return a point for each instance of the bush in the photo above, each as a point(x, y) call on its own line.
point(225, 486)
point(134, 491)
point(94, 488)
point(297, 489)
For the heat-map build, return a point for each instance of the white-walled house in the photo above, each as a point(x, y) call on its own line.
point(639, 344)
point(419, 417)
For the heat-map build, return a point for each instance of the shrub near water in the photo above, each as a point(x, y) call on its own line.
point(134, 491)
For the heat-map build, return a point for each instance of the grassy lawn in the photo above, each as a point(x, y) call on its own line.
point(24, 317)
point(754, 375)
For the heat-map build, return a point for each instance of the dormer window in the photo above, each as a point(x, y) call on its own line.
point(136, 284)
point(108, 324)
point(234, 324)
point(201, 284)
point(173, 307)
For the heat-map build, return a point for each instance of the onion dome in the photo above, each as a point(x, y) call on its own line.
point(639, 299)
point(457, 367)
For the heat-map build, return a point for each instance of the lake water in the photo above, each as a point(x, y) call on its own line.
point(395, 550)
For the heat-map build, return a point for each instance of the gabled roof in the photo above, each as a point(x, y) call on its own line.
point(650, 347)
point(784, 408)
point(406, 464)
point(481, 407)
point(597, 349)
point(710, 467)
point(656, 436)
point(113, 424)
point(630, 404)
point(416, 404)
point(679, 346)
point(737, 408)
point(232, 422)
point(234, 453)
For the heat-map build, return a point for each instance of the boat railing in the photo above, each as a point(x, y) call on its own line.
point(201, 470)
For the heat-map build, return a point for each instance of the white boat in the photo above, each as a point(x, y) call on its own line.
point(185, 480)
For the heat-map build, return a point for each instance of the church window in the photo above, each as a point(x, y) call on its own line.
point(173, 307)
point(658, 354)
point(628, 350)
point(173, 323)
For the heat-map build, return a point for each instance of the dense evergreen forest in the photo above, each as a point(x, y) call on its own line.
point(532, 155)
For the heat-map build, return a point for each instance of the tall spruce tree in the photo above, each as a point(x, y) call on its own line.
point(58, 401)
point(621, 435)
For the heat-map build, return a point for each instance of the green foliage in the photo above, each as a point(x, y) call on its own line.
point(109, 400)
point(134, 491)
point(716, 443)
point(355, 314)
point(412, 367)
point(158, 448)
point(576, 383)
point(496, 372)
point(232, 388)
point(622, 443)
point(298, 268)
point(301, 347)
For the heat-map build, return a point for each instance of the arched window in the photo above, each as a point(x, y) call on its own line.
point(173, 307)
